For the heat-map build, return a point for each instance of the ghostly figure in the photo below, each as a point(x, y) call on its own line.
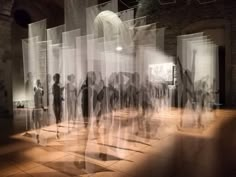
point(71, 98)
point(147, 105)
point(57, 91)
point(87, 101)
point(29, 86)
point(29, 93)
point(38, 108)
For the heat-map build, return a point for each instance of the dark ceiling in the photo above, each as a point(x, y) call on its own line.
point(27, 11)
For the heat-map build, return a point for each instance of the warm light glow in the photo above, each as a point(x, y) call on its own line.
point(119, 48)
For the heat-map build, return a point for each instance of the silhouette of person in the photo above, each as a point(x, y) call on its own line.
point(57, 91)
point(29, 87)
point(86, 98)
point(71, 98)
point(147, 105)
point(29, 93)
point(38, 108)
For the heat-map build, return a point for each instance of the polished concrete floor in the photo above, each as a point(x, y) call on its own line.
point(103, 151)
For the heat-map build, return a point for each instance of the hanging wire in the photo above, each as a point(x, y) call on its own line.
point(124, 3)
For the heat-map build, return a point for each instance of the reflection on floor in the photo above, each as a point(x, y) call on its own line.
point(95, 152)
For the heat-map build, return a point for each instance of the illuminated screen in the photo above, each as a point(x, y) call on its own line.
point(162, 72)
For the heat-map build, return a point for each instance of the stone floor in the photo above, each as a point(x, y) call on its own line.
point(104, 151)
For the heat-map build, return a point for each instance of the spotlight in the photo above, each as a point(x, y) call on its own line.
point(119, 48)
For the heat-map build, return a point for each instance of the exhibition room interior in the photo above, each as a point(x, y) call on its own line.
point(117, 88)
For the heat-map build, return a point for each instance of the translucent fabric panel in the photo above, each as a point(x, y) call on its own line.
point(181, 46)
point(146, 35)
point(126, 15)
point(118, 75)
point(95, 66)
point(82, 52)
point(92, 52)
point(41, 68)
point(81, 57)
point(122, 58)
point(55, 62)
point(37, 51)
point(149, 58)
point(131, 25)
point(37, 34)
point(187, 58)
point(150, 35)
point(55, 34)
point(84, 68)
point(54, 65)
point(33, 53)
point(25, 52)
point(160, 38)
point(118, 61)
point(205, 60)
point(70, 74)
point(147, 39)
point(69, 53)
point(69, 38)
point(115, 5)
point(38, 29)
point(75, 15)
point(136, 22)
point(184, 64)
point(198, 78)
point(29, 64)
point(54, 52)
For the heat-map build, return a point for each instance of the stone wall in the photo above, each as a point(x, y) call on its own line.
point(5, 65)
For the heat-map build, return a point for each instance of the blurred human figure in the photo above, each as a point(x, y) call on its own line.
point(98, 88)
point(147, 106)
point(57, 91)
point(29, 87)
point(87, 106)
point(113, 90)
point(71, 98)
point(29, 93)
point(119, 86)
point(104, 97)
point(132, 91)
point(132, 100)
point(163, 94)
point(86, 98)
point(38, 108)
point(50, 113)
point(137, 101)
point(186, 86)
point(202, 95)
